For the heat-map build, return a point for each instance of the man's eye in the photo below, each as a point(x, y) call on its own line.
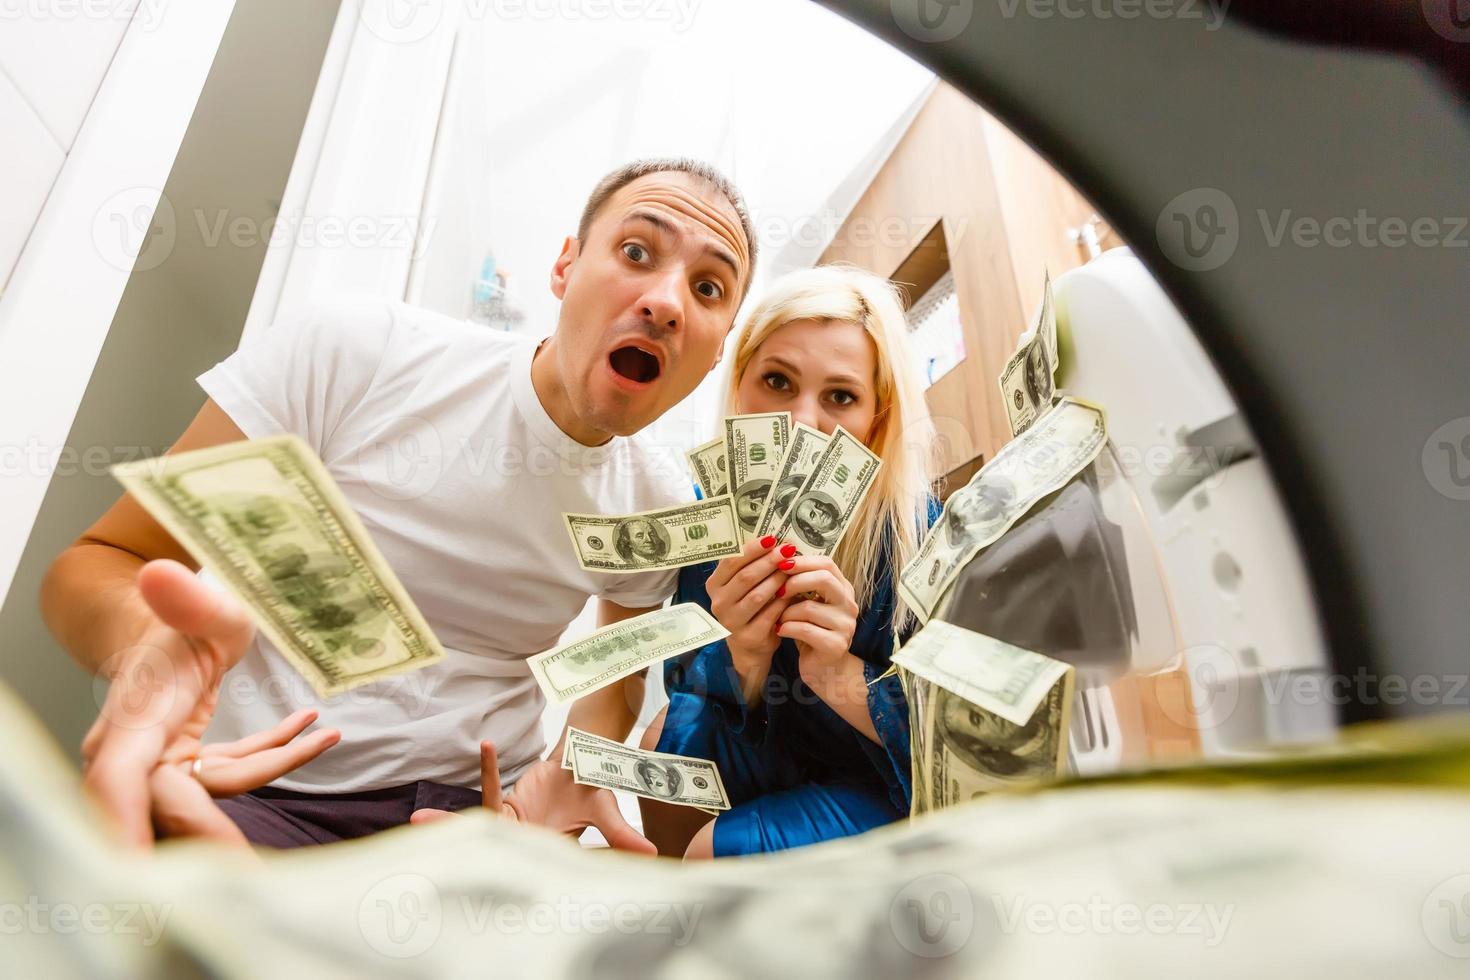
point(776, 381)
point(635, 252)
point(709, 289)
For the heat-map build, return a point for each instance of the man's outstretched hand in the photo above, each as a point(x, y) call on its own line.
point(546, 795)
point(138, 755)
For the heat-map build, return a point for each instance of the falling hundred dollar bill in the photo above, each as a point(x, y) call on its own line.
point(800, 461)
point(662, 776)
point(265, 517)
point(707, 462)
point(754, 447)
point(582, 666)
point(1028, 381)
point(1036, 463)
point(824, 506)
point(985, 715)
point(672, 537)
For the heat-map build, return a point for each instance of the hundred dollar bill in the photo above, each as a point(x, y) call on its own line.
point(1038, 462)
point(754, 445)
point(669, 538)
point(708, 464)
point(992, 715)
point(1028, 382)
point(575, 735)
point(807, 446)
point(656, 775)
point(1003, 679)
point(266, 519)
point(595, 661)
point(824, 506)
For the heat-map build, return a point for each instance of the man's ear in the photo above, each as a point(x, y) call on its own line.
point(561, 270)
point(720, 351)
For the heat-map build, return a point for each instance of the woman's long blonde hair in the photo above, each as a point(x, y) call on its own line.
point(896, 507)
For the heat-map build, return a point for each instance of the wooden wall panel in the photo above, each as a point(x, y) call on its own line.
point(1005, 215)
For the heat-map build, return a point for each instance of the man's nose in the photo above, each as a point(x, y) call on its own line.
point(662, 303)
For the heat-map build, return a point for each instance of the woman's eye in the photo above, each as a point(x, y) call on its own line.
point(776, 381)
point(709, 289)
point(635, 252)
point(843, 398)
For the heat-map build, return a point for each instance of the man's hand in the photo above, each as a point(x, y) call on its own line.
point(163, 692)
point(546, 795)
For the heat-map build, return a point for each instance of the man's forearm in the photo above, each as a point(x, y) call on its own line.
point(91, 604)
point(610, 712)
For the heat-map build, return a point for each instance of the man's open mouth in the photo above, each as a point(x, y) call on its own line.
point(635, 364)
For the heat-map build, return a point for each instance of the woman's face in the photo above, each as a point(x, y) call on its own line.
point(821, 371)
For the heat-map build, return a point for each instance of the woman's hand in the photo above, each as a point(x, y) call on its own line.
point(747, 594)
point(824, 619)
point(823, 624)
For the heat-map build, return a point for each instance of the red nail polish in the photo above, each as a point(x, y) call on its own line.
point(786, 565)
point(788, 550)
point(780, 592)
point(769, 541)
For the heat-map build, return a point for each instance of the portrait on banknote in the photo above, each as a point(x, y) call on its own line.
point(989, 744)
point(750, 500)
point(817, 518)
point(657, 778)
point(975, 511)
point(640, 540)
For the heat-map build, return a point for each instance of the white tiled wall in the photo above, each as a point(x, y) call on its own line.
point(53, 57)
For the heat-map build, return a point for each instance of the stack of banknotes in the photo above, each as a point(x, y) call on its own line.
point(985, 715)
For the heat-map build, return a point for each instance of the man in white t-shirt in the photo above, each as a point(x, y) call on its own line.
point(460, 448)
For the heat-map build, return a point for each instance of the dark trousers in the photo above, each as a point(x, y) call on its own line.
point(272, 817)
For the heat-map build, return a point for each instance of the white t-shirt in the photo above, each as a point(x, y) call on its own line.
point(435, 434)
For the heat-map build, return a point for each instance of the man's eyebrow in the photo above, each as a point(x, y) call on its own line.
point(668, 228)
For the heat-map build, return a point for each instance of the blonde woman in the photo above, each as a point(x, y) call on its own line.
point(809, 747)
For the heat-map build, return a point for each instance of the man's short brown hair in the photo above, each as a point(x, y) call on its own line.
point(626, 174)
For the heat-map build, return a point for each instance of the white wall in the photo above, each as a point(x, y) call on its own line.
point(787, 98)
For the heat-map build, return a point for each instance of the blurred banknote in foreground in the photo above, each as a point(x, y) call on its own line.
point(1342, 864)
